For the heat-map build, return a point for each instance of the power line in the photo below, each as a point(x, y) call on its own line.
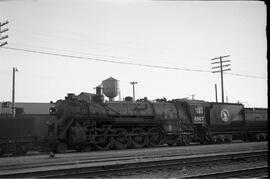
point(103, 60)
point(117, 45)
point(125, 63)
point(100, 55)
point(249, 76)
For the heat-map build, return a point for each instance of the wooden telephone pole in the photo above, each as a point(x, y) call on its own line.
point(222, 66)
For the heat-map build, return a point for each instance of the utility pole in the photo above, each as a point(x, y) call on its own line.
point(221, 68)
point(13, 92)
point(192, 96)
point(119, 92)
point(2, 24)
point(216, 93)
point(2, 31)
point(133, 84)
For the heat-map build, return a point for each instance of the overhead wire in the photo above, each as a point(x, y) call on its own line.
point(124, 63)
point(103, 60)
point(107, 56)
point(242, 75)
point(47, 36)
point(44, 35)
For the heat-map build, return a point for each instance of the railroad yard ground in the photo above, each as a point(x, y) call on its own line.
point(181, 162)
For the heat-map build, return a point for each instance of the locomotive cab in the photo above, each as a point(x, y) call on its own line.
point(198, 114)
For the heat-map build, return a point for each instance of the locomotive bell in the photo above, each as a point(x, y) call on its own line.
point(110, 88)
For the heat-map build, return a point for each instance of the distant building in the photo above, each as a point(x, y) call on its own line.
point(90, 97)
point(25, 108)
point(86, 96)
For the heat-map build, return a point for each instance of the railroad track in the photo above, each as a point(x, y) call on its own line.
point(261, 171)
point(95, 168)
point(37, 153)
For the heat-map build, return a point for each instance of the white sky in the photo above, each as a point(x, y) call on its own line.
point(179, 34)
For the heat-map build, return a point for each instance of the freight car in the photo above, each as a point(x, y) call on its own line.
point(255, 127)
point(23, 133)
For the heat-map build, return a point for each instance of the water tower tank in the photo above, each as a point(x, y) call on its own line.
point(110, 88)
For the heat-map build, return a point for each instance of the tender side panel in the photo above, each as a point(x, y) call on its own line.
point(226, 117)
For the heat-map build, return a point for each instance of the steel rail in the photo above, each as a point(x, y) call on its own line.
point(246, 172)
point(94, 159)
point(62, 161)
point(39, 153)
point(106, 167)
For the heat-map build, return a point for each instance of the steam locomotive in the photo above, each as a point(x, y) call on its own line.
point(92, 124)
point(99, 125)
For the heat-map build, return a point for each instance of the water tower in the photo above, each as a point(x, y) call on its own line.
point(110, 88)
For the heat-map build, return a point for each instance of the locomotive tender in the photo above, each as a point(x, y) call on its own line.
point(79, 123)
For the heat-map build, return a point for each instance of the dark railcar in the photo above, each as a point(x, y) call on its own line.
point(256, 120)
point(20, 134)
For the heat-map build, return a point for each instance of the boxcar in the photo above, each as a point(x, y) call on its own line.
point(20, 134)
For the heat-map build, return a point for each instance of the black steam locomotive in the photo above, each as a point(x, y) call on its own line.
point(99, 125)
point(93, 124)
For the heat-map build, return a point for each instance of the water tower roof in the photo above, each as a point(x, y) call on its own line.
point(111, 78)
